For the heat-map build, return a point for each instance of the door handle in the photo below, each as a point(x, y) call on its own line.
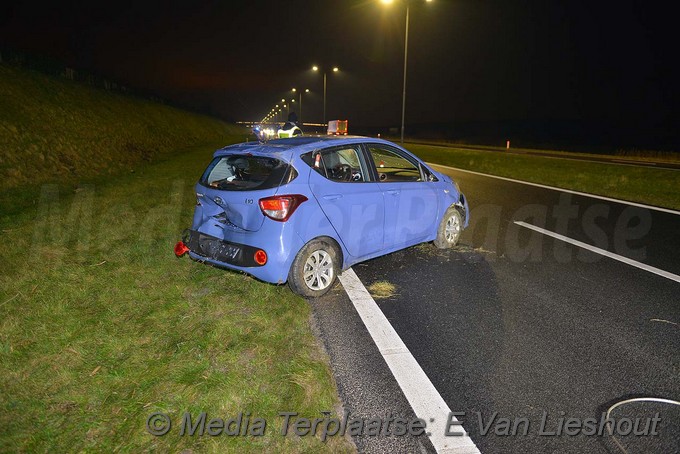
point(392, 191)
point(332, 196)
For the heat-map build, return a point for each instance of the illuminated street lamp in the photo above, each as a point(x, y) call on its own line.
point(316, 68)
point(403, 97)
point(294, 90)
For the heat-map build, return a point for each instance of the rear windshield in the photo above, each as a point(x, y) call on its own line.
point(244, 172)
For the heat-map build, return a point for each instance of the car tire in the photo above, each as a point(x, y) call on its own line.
point(449, 230)
point(315, 269)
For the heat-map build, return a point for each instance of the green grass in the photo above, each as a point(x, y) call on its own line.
point(630, 154)
point(56, 130)
point(657, 187)
point(100, 325)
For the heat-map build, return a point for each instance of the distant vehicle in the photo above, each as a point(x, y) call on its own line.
point(337, 127)
point(262, 132)
point(301, 210)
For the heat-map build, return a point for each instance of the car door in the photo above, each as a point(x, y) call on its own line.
point(352, 203)
point(410, 199)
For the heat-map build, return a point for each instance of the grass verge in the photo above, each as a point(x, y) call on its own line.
point(632, 155)
point(101, 326)
point(56, 130)
point(658, 187)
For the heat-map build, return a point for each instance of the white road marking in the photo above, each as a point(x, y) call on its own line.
point(621, 161)
point(424, 398)
point(597, 250)
point(585, 194)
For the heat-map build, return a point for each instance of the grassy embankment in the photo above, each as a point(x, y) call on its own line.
point(101, 326)
point(625, 155)
point(652, 186)
point(57, 131)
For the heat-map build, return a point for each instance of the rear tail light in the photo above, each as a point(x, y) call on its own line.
point(281, 207)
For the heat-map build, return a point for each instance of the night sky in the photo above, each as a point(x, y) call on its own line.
point(604, 66)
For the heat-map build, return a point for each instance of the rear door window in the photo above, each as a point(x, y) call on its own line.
point(247, 173)
point(341, 164)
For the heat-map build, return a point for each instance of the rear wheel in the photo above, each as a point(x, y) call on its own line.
point(315, 269)
point(449, 229)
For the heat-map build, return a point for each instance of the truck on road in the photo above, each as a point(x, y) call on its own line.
point(337, 127)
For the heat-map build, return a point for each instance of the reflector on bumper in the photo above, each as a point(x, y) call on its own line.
point(181, 249)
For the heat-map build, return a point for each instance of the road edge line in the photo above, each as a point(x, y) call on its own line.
point(597, 250)
point(421, 394)
point(554, 188)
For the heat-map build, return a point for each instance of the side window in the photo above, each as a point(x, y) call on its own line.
point(429, 176)
point(392, 167)
point(337, 164)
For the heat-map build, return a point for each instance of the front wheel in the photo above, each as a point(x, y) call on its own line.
point(449, 229)
point(315, 269)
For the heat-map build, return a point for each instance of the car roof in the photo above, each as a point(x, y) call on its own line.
point(297, 145)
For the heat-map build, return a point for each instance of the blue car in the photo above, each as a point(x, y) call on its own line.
point(301, 210)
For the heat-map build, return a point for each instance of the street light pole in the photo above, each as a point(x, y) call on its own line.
point(316, 68)
point(306, 91)
point(324, 97)
point(294, 90)
point(403, 97)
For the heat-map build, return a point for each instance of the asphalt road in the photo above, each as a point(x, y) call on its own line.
point(521, 325)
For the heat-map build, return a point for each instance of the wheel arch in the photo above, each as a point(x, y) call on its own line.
point(296, 279)
point(461, 209)
point(336, 244)
point(329, 239)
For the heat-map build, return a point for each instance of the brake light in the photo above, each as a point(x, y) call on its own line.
point(281, 207)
